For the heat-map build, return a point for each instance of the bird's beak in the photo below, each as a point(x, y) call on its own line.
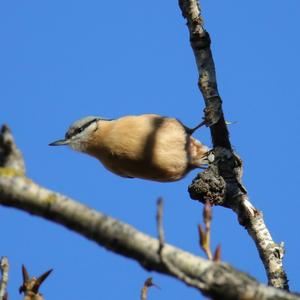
point(60, 143)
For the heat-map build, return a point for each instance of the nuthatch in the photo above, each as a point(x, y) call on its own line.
point(146, 146)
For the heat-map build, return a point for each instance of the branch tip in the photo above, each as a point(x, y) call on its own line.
point(217, 254)
point(148, 283)
point(159, 221)
point(204, 233)
point(30, 286)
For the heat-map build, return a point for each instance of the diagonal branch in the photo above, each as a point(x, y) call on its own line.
point(221, 182)
point(218, 280)
point(20, 192)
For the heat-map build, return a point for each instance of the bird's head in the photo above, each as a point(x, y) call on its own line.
point(79, 133)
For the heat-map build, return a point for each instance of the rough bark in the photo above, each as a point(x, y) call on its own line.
point(215, 279)
point(221, 183)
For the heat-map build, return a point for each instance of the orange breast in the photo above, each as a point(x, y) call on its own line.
point(147, 146)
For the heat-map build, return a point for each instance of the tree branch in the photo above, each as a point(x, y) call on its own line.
point(10, 156)
point(4, 268)
point(218, 280)
point(221, 183)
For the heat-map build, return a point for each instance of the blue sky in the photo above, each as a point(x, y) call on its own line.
point(62, 60)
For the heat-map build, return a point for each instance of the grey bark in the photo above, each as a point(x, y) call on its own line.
point(221, 183)
point(217, 280)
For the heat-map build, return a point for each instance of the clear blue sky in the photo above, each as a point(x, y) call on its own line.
point(62, 60)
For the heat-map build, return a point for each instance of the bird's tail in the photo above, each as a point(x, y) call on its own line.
point(198, 153)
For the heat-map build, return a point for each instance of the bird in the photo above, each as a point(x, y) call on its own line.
point(147, 146)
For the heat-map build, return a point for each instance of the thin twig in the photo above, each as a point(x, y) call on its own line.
point(171, 267)
point(221, 182)
point(4, 268)
point(30, 286)
point(217, 254)
point(204, 233)
point(159, 222)
point(148, 283)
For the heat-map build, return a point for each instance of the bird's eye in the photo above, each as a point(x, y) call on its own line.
point(78, 130)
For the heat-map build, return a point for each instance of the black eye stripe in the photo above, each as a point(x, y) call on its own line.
point(79, 129)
